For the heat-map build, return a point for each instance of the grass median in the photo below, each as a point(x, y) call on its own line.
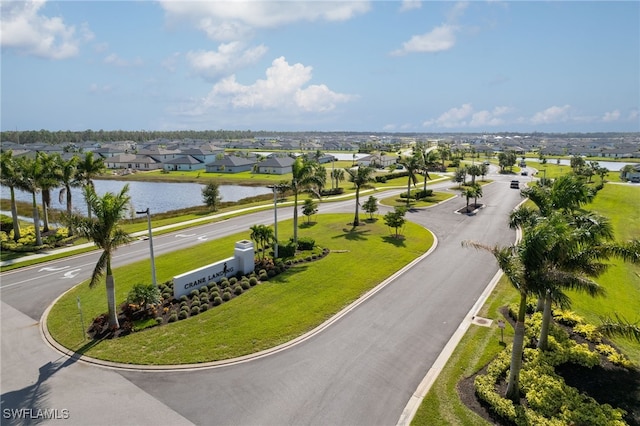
point(271, 313)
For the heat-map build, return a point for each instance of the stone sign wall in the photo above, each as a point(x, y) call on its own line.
point(242, 262)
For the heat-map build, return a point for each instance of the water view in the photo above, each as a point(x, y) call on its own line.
point(157, 196)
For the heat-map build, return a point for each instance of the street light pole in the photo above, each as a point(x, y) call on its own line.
point(275, 218)
point(153, 266)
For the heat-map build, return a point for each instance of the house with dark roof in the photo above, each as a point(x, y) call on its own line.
point(133, 162)
point(230, 164)
point(184, 163)
point(276, 165)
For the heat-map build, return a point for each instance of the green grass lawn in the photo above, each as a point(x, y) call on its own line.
point(269, 314)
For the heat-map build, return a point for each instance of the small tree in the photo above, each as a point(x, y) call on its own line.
point(309, 208)
point(371, 206)
point(396, 219)
point(211, 195)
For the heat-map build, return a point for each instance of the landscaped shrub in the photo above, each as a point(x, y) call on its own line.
point(159, 320)
point(212, 285)
point(226, 296)
point(195, 310)
point(569, 318)
point(423, 193)
point(204, 308)
point(589, 332)
point(233, 281)
point(195, 303)
point(253, 281)
point(143, 295)
point(287, 250)
point(183, 298)
point(271, 273)
point(217, 301)
point(264, 276)
point(306, 243)
point(194, 293)
point(173, 317)
point(183, 315)
point(224, 283)
point(237, 290)
point(245, 284)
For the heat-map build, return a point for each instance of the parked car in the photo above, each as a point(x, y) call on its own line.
point(524, 173)
point(515, 184)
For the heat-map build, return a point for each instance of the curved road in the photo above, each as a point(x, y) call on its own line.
point(362, 370)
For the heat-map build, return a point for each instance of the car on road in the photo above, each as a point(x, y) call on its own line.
point(515, 184)
point(524, 173)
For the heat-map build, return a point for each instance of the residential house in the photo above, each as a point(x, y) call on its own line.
point(230, 164)
point(378, 160)
point(133, 162)
point(184, 163)
point(276, 165)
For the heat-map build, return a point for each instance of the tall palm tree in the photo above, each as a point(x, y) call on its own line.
point(412, 164)
point(522, 264)
point(361, 178)
point(338, 176)
point(10, 177)
point(89, 168)
point(30, 181)
point(50, 179)
point(304, 175)
point(104, 231)
point(68, 180)
point(427, 159)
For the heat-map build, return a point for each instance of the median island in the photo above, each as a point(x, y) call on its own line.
point(271, 309)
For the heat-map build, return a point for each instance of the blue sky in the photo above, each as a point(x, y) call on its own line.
point(400, 66)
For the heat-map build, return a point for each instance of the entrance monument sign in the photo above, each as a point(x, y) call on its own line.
point(242, 262)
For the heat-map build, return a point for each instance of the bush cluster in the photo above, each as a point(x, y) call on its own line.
point(550, 401)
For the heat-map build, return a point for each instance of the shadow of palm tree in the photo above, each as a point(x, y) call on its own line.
point(308, 225)
point(29, 405)
point(353, 234)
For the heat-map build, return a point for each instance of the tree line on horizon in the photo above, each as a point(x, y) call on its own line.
point(68, 136)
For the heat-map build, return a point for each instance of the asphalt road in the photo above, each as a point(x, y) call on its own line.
point(361, 370)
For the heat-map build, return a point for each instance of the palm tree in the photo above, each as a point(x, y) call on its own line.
point(68, 180)
point(522, 264)
point(30, 180)
point(304, 175)
point(263, 236)
point(50, 179)
point(361, 178)
point(88, 168)
point(104, 231)
point(412, 164)
point(338, 176)
point(10, 177)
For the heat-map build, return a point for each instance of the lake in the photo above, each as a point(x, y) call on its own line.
point(159, 197)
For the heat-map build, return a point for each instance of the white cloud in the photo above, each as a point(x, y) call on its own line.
point(439, 39)
point(27, 31)
point(170, 63)
point(466, 116)
point(634, 114)
point(283, 89)
point(227, 59)
point(552, 114)
point(232, 20)
point(114, 59)
point(611, 116)
point(410, 5)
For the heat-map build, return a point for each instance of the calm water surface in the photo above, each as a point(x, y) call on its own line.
point(157, 196)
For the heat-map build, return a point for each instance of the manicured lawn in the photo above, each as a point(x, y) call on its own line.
point(269, 314)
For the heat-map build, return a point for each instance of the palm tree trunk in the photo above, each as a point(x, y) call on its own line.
point(295, 217)
point(543, 341)
point(356, 219)
point(46, 202)
point(14, 215)
point(36, 220)
point(111, 299)
point(513, 386)
point(69, 209)
point(408, 190)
